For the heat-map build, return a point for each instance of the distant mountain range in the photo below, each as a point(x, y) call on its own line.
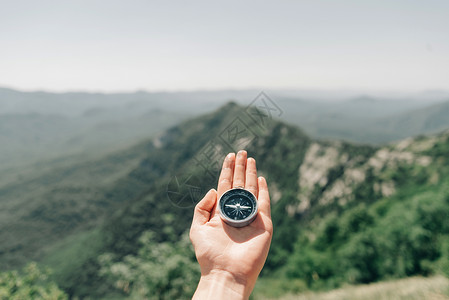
point(38, 126)
point(368, 120)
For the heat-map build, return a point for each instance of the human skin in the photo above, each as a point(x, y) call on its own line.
point(231, 258)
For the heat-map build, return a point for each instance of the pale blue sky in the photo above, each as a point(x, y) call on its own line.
point(187, 45)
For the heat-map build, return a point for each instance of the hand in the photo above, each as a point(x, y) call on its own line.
point(231, 258)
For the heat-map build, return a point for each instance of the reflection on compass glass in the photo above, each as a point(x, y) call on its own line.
point(238, 207)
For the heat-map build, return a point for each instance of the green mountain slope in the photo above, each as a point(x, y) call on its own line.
point(341, 212)
point(30, 138)
point(48, 203)
point(182, 152)
point(393, 221)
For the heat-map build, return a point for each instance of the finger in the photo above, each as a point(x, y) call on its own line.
point(203, 209)
point(225, 180)
point(239, 170)
point(251, 176)
point(264, 197)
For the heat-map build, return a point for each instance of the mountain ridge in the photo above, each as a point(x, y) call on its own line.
point(315, 185)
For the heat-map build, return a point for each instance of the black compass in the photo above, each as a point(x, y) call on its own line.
point(238, 207)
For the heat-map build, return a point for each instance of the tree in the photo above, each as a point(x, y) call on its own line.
point(31, 283)
point(159, 270)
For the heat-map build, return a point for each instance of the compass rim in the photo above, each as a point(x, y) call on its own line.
point(242, 222)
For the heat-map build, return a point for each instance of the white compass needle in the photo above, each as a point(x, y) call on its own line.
point(231, 205)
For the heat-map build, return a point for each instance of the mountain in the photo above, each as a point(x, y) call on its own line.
point(366, 119)
point(73, 104)
point(37, 126)
point(42, 126)
point(34, 137)
point(49, 203)
point(427, 120)
point(341, 212)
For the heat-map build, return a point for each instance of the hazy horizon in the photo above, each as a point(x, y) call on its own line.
point(340, 93)
point(115, 46)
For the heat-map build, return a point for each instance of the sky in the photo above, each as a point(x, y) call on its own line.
point(110, 45)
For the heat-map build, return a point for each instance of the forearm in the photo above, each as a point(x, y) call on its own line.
point(222, 285)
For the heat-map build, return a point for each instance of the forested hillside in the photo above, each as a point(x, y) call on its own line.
point(342, 213)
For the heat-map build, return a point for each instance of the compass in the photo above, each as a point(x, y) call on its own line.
point(237, 207)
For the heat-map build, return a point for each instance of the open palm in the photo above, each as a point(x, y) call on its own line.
point(239, 252)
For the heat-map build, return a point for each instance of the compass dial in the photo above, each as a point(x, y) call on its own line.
point(238, 207)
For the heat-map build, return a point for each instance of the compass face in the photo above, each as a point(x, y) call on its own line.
point(238, 207)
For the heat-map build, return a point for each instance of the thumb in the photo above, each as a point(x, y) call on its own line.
point(203, 209)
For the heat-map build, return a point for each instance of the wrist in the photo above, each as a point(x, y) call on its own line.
point(220, 284)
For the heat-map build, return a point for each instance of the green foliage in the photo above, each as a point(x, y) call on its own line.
point(359, 258)
point(311, 266)
point(74, 265)
point(30, 283)
point(355, 220)
point(158, 271)
point(443, 263)
point(276, 287)
point(394, 239)
point(284, 236)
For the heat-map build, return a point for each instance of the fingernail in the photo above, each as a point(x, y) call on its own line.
point(241, 152)
point(229, 156)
